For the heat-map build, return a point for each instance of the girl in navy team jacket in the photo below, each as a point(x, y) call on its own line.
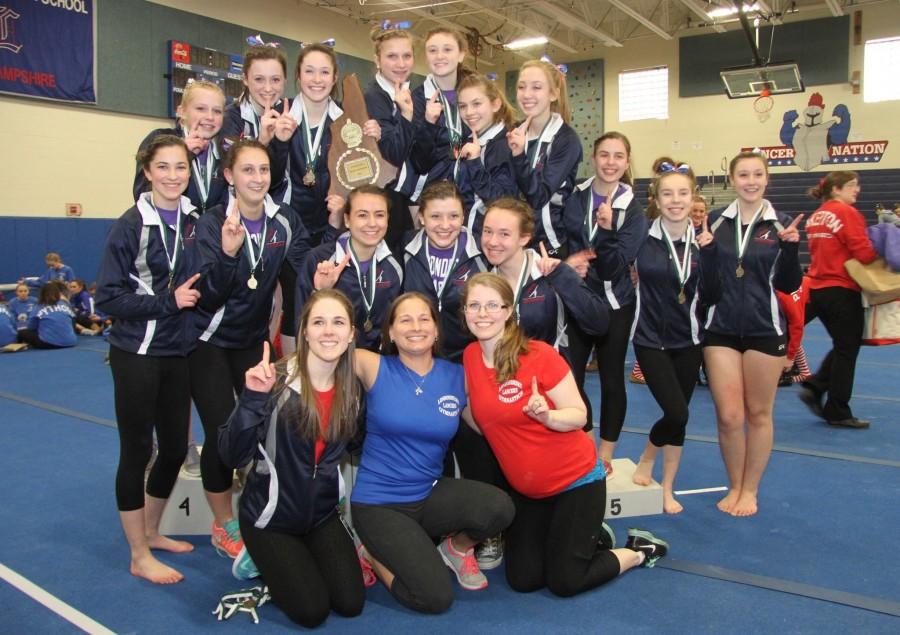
point(605, 270)
point(390, 103)
point(545, 150)
point(677, 275)
point(485, 160)
point(440, 131)
point(87, 322)
point(375, 277)
point(51, 324)
point(236, 291)
point(439, 259)
point(199, 123)
point(254, 114)
point(304, 149)
point(145, 285)
point(745, 341)
point(293, 438)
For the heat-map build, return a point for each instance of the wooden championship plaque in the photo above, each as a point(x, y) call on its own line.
point(354, 159)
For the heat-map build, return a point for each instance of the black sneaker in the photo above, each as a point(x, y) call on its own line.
point(607, 537)
point(786, 379)
point(653, 547)
point(852, 422)
point(812, 398)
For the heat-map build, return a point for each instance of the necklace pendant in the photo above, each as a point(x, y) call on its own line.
point(367, 326)
point(252, 283)
point(739, 272)
point(418, 391)
point(309, 179)
point(682, 298)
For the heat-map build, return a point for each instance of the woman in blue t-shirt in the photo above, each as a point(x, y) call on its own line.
point(400, 502)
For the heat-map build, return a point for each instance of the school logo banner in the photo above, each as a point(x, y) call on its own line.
point(47, 49)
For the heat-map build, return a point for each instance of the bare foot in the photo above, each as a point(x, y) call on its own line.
point(745, 505)
point(727, 503)
point(167, 544)
point(643, 473)
point(670, 505)
point(152, 569)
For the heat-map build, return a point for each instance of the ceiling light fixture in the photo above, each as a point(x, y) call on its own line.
point(526, 42)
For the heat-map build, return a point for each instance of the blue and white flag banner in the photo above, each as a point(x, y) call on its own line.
point(48, 49)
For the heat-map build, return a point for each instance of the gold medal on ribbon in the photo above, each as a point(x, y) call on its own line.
point(309, 179)
point(252, 283)
point(682, 298)
point(739, 272)
point(367, 326)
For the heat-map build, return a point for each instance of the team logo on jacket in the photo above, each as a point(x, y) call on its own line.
point(190, 233)
point(273, 239)
point(530, 295)
point(462, 276)
point(380, 282)
point(510, 391)
point(448, 405)
point(765, 236)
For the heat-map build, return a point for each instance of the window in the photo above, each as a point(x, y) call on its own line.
point(880, 70)
point(644, 94)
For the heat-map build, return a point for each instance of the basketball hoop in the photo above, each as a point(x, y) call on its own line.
point(763, 104)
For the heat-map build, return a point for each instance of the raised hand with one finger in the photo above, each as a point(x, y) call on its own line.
point(261, 377)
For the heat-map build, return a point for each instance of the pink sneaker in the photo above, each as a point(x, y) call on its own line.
point(227, 540)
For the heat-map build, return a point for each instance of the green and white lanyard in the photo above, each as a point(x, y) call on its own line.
point(590, 222)
point(203, 173)
point(255, 259)
point(171, 260)
point(366, 285)
point(534, 155)
point(452, 122)
point(682, 265)
point(439, 288)
point(741, 242)
point(523, 278)
point(311, 146)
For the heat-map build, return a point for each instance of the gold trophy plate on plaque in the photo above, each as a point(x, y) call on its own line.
point(354, 159)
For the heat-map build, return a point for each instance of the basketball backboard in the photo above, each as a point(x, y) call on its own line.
point(750, 81)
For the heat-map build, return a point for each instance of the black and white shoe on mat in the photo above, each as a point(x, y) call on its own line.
point(652, 547)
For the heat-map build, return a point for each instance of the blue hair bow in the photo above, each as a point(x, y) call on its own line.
point(562, 68)
point(387, 25)
point(681, 168)
point(330, 42)
point(256, 40)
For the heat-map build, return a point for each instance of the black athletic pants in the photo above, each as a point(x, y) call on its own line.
point(841, 311)
point(671, 377)
point(555, 542)
point(30, 337)
point(217, 375)
point(150, 393)
point(402, 536)
point(308, 575)
point(610, 350)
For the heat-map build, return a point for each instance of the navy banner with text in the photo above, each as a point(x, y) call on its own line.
point(47, 49)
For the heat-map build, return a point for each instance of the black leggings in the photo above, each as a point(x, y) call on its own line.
point(841, 311)
point(401, 536)
point(150, 393)
point(216, 375)
point(308, 575)
point(30, 337)
point(610, 350)
point(671, 376)
point(555, 542)
point(476, 459)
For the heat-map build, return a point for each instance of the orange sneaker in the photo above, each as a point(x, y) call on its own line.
point(227, 540)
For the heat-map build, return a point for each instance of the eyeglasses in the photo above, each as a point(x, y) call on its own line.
point(491, 308)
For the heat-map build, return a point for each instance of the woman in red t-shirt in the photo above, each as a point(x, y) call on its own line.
point(526, 403)
point(836, 233)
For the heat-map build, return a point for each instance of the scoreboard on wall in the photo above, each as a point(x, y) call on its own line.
point(187, 62)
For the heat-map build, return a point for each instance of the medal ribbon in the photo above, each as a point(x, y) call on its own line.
point(312, 145)
point(255, 258)
point(368, 290)
point(203, 174)
point(162, 234)
point(523, 277)
point(682, 265)
point(742, 242)
point(533, 157)
point(452, 121)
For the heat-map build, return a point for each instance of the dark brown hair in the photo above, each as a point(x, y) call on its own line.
point(824, 190)
point(325, 50)
point(145, 157)
point(259, 53)
point(612, 134)
point(461, 71)
point(388, 347)
point(748, 154)
point(52, 292)
point(439, 191)
point(347, 390)
point(367, 189)
point(237, 147)
point(513, 343)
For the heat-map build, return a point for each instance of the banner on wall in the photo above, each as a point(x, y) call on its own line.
point(812, 138)
point(48, 49)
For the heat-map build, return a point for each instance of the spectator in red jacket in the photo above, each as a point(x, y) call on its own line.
point(836, 233)
point(793, 305)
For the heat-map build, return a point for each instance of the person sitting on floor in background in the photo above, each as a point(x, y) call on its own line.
point(7, 326)
point(56, 270)
point(51, 324)
point(22, 306)
point(87, 322)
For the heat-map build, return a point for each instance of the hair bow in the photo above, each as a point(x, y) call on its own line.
point(256, 40)
point(681, 168)
point(330, 42)
point(562, 68)
point(492, 76)
point(387, 25)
